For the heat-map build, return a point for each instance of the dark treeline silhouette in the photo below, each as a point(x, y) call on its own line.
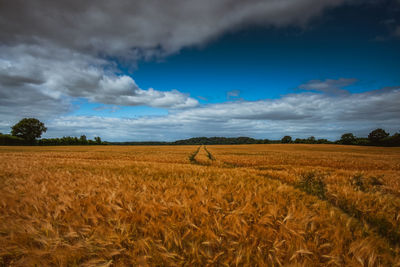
point(229, 141)
point(144, 143)
point(27, 130)
point(312, 140)
point(9, 140)
point(346, 139)
point(68, 140)
point(221, 141)
point(204, 141)
point(377, 137)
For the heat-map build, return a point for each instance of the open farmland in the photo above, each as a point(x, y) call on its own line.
point(244, 205)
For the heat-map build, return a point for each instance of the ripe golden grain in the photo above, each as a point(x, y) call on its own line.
point(152, 206)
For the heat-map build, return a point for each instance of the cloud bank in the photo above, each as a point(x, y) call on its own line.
point(43, 80)
point(299, 115)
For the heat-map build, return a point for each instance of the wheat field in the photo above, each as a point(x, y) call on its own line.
point(242, 205)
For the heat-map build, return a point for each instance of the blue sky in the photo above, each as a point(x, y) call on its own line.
point(310, 68)
point(265, 62)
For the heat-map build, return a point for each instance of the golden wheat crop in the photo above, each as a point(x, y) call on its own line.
point(244, 205)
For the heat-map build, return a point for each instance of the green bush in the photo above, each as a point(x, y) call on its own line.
point(9, 140)
point(357, 181)
point(361, 183)
point(313, 184)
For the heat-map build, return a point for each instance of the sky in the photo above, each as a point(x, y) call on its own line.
point(163, 70)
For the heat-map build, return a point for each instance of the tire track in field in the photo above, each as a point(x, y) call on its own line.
point(202, 156)
point(192, 157)
point(209, 155)
point(378, 226)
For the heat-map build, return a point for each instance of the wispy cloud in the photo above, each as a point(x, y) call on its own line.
point(232, 94)
point(328, 86)
point(111, 109)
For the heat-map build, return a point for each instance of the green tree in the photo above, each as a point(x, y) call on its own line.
point(395, 139)
point(298, 141)
point(28, 129)
point(377, 135)
point(311, 140)
point(286, 139)
point(97, 140)
point(83, 140)
point(348, 139)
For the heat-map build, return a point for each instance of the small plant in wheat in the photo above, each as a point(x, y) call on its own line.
point(357, 181)
point(361, 183)
point(376, 180)
point(313, 184)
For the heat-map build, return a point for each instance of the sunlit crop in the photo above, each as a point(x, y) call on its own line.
point(244, 205)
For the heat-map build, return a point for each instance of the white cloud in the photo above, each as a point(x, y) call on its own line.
point(122, 90)
point(233, 94)
point(29, 73)
point(299, 115)
point(329, 86)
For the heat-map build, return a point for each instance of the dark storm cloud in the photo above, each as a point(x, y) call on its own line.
point(141, 28)
point(18, 80)
point(397, 31)
point(27, 101)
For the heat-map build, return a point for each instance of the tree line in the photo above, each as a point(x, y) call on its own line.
point(377, 137)
point(28, 130)
point(9, 140)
